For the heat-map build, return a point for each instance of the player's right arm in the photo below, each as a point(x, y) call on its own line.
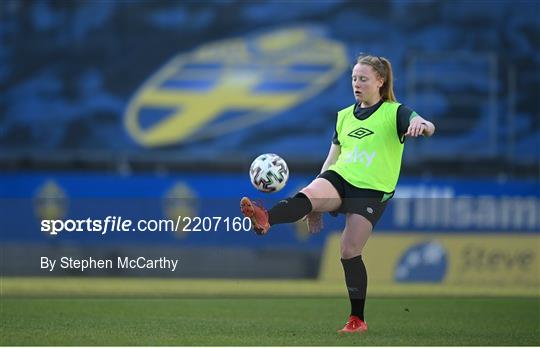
point(333, 154)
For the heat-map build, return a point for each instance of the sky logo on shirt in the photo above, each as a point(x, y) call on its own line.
point(359, 156)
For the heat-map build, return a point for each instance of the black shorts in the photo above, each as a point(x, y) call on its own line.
point(368, 203)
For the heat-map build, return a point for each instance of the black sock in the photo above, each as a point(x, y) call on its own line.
point(290, 209)
point(356, 280)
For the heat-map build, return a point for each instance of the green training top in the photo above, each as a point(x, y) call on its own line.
point(371, 151)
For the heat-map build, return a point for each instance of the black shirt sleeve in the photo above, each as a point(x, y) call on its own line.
point(335, 139)
point(403, 116)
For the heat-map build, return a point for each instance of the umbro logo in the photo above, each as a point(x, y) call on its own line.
point(360, 133)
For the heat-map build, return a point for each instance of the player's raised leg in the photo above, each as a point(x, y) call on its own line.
point(318, 196)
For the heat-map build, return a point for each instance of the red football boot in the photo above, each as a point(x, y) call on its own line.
point(354, 324)
point(257, 214)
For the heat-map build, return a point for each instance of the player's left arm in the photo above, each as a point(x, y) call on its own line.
point(419, 126)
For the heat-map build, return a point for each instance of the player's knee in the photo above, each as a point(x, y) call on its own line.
point(321, 199)
point(312, 196)
point(307, 191)
point(350, 250)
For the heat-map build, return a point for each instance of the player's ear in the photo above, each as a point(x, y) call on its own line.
point(380, 82)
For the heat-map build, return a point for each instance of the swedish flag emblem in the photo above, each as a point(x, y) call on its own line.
point(226, 86)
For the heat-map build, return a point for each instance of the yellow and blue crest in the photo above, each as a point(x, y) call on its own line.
point(229, 85)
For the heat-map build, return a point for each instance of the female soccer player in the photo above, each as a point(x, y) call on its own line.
point(358, 177)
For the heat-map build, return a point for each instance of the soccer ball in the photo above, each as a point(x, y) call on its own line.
point(269, 173)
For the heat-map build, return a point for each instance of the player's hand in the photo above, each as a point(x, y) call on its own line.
point(314, 222)
point(417, 127)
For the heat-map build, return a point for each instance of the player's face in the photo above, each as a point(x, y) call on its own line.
point(366, 83)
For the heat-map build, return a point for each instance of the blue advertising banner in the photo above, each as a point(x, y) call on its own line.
point(202, 209)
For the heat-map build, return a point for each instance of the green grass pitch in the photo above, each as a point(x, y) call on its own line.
point(227, 312)
point(274, 322)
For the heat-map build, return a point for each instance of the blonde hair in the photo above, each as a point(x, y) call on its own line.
point(383, 68)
